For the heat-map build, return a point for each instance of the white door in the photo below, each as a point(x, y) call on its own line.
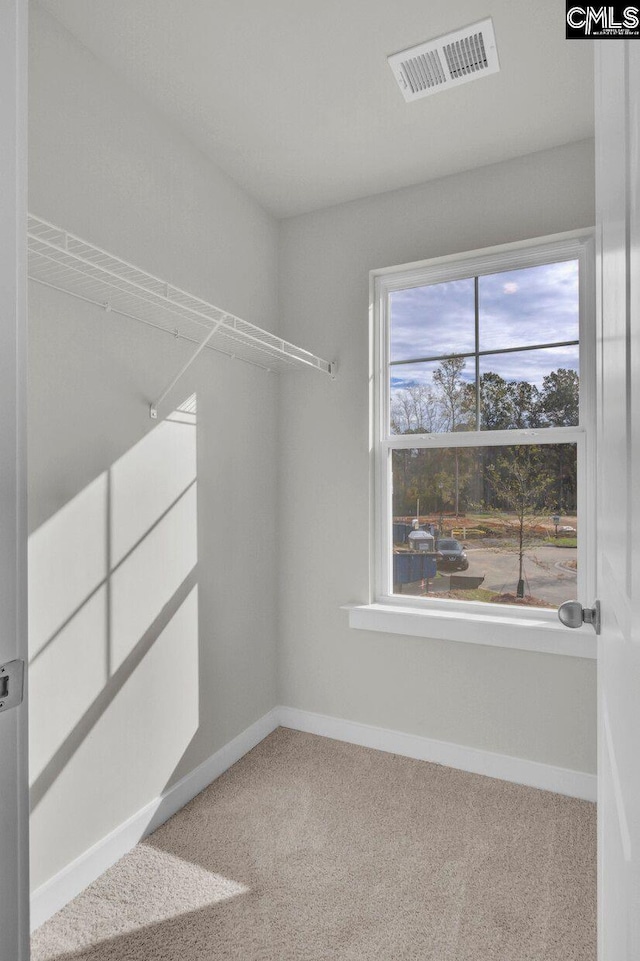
point(618, 272)
point(14, 810)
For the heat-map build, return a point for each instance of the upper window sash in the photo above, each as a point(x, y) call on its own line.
point(576, 245)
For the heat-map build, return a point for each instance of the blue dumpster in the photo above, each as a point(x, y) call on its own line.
point(408, 568)
point(400, 533)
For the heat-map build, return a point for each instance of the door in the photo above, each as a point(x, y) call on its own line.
point(14, 881)
point(618, 272)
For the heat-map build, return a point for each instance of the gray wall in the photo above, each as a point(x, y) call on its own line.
point(152, 619)
point(529, 705)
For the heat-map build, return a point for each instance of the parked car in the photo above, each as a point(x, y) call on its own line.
point(451, 555)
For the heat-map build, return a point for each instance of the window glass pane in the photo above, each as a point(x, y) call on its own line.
point(432, 321)
point(433, 397)
point(530, 388)
point(536, 305)
point(496, 524)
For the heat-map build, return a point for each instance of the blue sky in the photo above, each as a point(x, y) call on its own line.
point(517, 308)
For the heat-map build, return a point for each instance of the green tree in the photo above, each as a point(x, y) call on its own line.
point(525, 404)
point(560, 400)
point(560, 407)
point(505, 404)
point(496, 406)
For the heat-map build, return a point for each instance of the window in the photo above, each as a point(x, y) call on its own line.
point(483, 431)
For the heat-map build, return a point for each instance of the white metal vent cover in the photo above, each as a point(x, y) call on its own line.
point(447, 61)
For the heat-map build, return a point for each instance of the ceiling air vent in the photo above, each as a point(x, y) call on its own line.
point(448, 61)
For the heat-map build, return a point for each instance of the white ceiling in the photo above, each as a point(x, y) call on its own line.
point(295, 100)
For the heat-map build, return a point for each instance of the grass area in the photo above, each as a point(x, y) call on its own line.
point(563, 542)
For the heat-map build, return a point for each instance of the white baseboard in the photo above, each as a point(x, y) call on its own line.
point(68, 883)
point(546, 777)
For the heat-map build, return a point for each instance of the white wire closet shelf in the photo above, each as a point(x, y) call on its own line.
point(65, 262)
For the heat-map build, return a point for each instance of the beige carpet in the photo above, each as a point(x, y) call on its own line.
point(311, 849)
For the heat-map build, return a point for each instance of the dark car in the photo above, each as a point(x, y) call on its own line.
point(452, 556)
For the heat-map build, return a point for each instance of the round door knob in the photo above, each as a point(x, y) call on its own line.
point(570, 613)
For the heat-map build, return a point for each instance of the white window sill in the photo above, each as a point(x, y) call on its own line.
point(529, 633)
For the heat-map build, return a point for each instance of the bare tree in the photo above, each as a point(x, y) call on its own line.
point(521, 482)
point(416, 410)
point(454, 400)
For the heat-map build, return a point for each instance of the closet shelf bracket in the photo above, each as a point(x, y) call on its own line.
point(153, 409)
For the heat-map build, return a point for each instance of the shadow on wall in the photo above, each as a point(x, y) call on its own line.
point(113, 633)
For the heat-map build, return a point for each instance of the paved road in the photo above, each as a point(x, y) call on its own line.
point(543, 578)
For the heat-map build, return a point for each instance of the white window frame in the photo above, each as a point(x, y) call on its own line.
point(503, 625)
